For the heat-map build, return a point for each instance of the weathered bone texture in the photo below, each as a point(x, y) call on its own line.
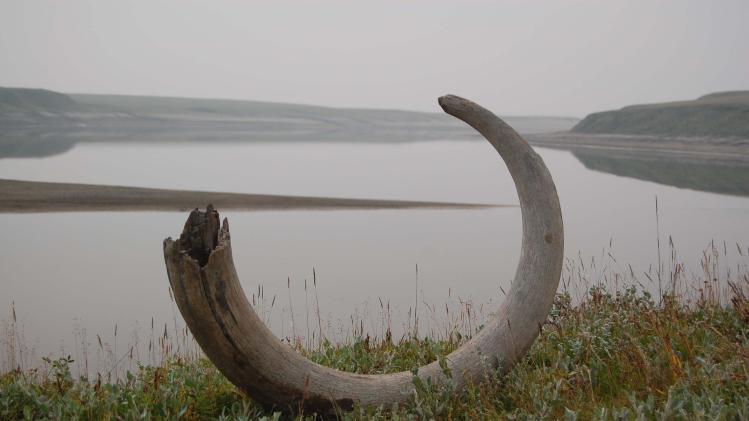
point(210, 298)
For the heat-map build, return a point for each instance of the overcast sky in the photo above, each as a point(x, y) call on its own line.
point(515, 57)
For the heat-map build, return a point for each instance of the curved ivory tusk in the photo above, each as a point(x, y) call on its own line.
point(210, 298)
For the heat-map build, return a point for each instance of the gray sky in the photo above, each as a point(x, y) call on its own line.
point(515, 57)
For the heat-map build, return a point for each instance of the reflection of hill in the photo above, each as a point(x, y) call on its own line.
point(702, 175)
point(27, 144)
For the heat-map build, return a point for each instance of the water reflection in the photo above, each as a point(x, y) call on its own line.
point(33, 144)
point(715, 176)
point(702, 175)
point(87, 272)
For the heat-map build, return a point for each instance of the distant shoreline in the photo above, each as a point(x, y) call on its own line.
point(18, 196)
point(40, 123)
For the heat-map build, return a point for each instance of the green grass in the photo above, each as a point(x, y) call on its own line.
point(612, 356)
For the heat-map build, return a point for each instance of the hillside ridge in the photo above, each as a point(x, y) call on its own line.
point(719, 114)
point(19, 100)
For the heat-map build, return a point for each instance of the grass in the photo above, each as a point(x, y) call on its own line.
point(614, 353)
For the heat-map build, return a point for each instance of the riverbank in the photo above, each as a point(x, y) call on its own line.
point(614, 355)
point(30, 196)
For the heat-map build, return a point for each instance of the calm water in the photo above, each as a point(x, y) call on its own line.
point(72, 273)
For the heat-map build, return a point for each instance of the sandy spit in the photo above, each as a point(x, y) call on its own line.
point(18, 196)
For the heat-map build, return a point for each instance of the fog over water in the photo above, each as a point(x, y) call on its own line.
point(68, 272)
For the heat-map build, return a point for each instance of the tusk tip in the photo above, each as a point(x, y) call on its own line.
point(452, 102)
point(460, 107)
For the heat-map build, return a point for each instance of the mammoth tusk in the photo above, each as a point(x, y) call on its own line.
point(209, 296)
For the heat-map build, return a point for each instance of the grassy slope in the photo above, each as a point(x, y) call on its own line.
point(723, 114)
point(23, 100)
point(618, 356)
